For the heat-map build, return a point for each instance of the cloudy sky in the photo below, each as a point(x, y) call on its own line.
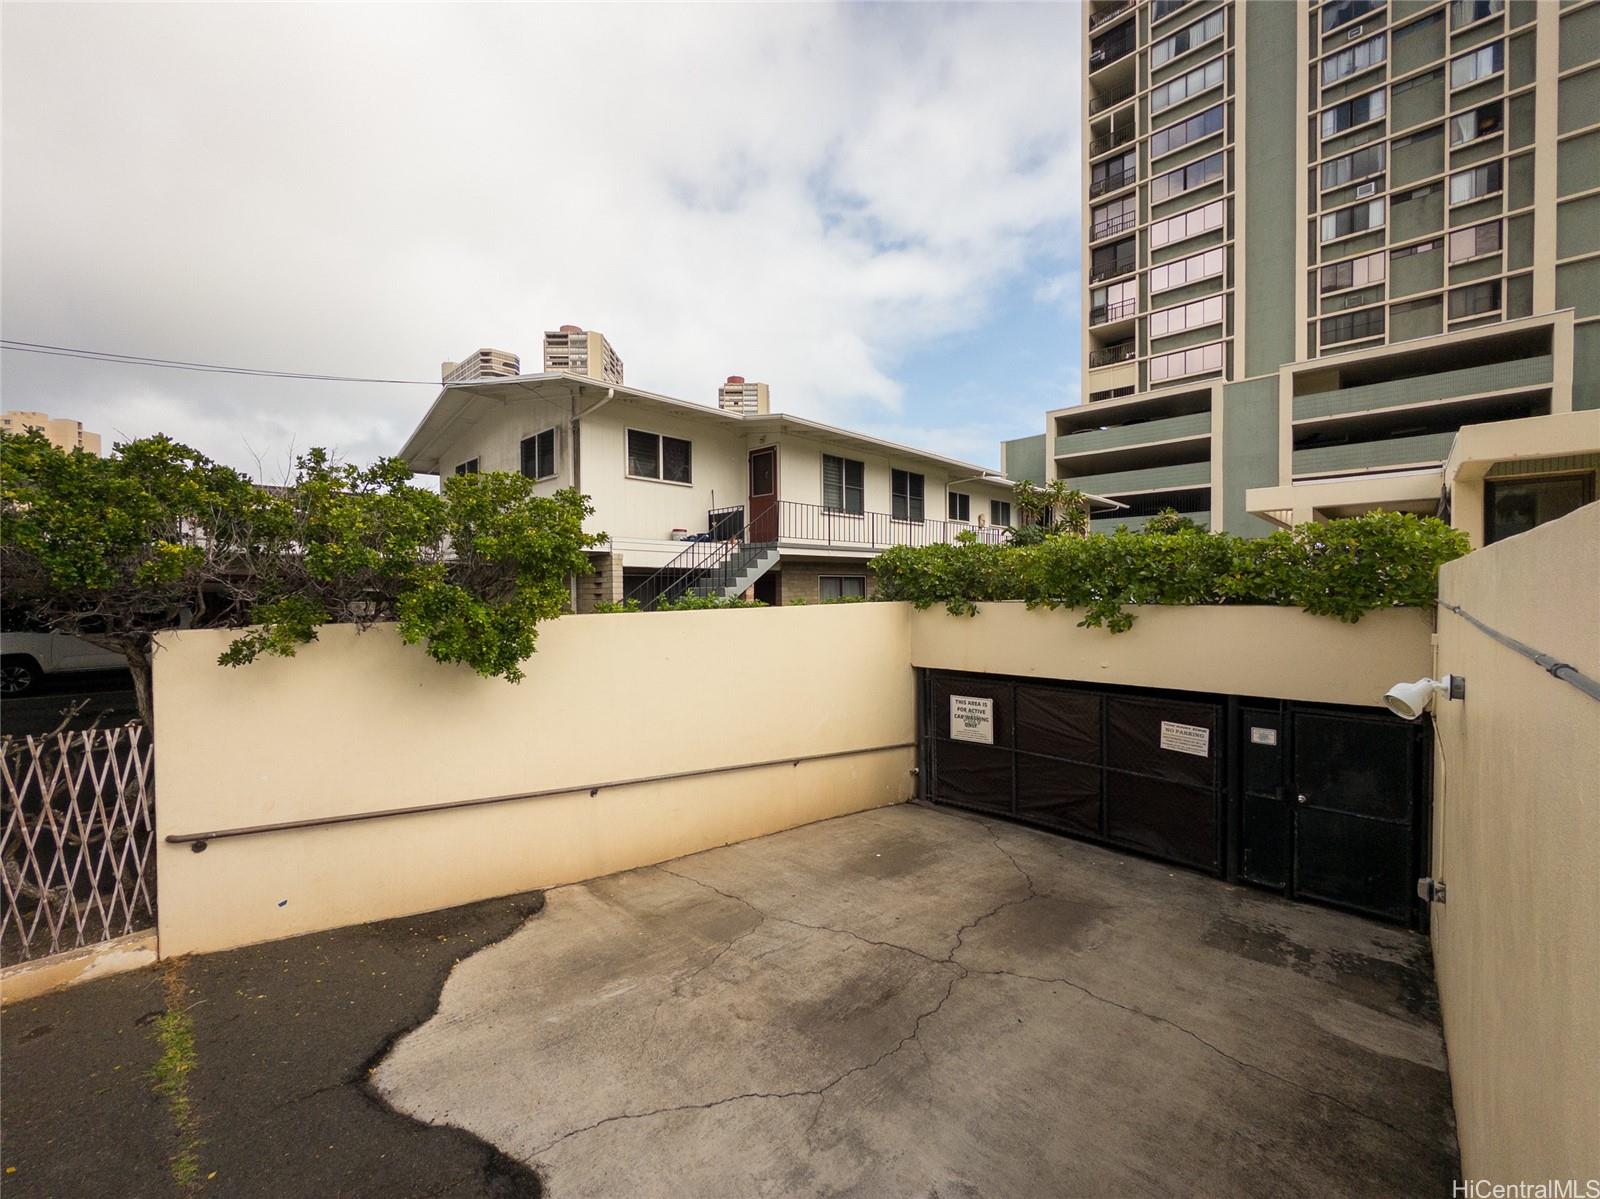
point(871, 208)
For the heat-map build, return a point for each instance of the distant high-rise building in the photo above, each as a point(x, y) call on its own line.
point(581, 352)
point(752, 399)
point(484, 364)
point(1321, 237)
point(62, 433)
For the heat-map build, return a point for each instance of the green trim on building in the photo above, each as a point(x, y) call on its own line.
point(1249, 451)
point(1269, 186)
point(1023, 458)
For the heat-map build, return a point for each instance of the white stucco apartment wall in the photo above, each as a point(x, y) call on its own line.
point(495, 438)
point(647, 508)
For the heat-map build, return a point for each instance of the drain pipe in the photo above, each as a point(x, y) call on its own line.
point(577, 461)
point(577, 453)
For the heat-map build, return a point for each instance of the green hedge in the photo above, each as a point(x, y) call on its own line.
point(1343, 568)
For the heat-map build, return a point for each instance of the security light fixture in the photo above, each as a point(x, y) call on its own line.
point(1410, 700)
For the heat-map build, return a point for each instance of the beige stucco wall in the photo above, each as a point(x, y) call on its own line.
point(1275, 652)
point(1517, 844)
point(361, 722)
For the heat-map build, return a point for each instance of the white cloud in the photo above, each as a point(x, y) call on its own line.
point(797, 193)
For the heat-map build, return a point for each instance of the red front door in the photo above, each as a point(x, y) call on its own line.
point(763, 494)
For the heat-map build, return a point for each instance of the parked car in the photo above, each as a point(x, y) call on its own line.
point(26, 658)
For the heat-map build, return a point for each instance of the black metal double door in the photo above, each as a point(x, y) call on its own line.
point(1136, 771)
point(1332, 807)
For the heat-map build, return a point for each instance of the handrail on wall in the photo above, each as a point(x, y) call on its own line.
point(1551, 665)
point(198, 841)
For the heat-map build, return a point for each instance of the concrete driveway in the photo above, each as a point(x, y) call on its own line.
point(915, 1002)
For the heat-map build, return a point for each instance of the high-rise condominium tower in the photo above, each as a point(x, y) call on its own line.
point(1319, 239)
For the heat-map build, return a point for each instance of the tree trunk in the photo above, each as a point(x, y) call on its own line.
point(143, 685)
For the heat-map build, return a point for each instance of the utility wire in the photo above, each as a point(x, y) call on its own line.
point(178, 364)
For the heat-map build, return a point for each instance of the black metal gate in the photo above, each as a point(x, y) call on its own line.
point(1136, 771)
point(1334, 807)
point(1315, 802)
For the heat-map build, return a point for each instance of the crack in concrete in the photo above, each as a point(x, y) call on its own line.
point(962, 972)
point(916, 1031)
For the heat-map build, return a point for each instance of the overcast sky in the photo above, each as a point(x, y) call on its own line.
point(873, 209)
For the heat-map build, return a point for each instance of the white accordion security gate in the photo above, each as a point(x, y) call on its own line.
point(77, 838)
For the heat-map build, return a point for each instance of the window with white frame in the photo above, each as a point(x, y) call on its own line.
point(1475, 183)
point(1186, 178)
point(657, 456)
point(1188, 224)
point(469, 467)
point(1354, 272)
point(1356, 58)
point(539, 455)
point(838, 587)
point(1178, 135)
point(843, 485)
point(1358, 218)
point(960, 506)
point(1474, 65)
point(1000, 513)
point(905, 495)
point(1473, 241)
point(1478, 122)
point(1356, 111)
point(1347, 168)
point(1195, 360)
point(1195, 315)
point(1208, 28)
point(1176, 91)
point(1180, 272)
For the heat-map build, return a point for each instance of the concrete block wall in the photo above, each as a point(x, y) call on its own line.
point(800, 578)
point(604, 585)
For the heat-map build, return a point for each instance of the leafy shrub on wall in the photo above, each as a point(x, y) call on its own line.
point(1343, 568)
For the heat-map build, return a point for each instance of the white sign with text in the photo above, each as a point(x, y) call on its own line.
point(1186, 738)
point(972, 719)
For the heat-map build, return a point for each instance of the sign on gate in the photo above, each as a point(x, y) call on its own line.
point(972, 719)
point(1186, 738)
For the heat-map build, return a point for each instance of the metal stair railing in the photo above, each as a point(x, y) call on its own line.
point(689, 570)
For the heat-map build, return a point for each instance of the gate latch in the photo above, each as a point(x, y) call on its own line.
point(1431, 890)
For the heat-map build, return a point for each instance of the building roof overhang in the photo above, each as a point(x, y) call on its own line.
point(461, 405)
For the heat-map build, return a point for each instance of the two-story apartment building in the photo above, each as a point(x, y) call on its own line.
point(786, 507)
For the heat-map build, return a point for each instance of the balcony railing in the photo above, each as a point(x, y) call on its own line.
point(1110, 141)
point(1108, 14)
point(1112, 47)
point(1107, 313)
point(813, 526)
point(1112, 225)
point(1111, 270)
point(1112, 180)
point(1101, 103)
point(1108, 355)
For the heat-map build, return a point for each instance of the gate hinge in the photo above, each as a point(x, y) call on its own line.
point(1430, 889)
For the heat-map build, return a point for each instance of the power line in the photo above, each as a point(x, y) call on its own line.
point(178, 364)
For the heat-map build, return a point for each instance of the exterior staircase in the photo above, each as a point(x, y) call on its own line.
point(737, 572)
